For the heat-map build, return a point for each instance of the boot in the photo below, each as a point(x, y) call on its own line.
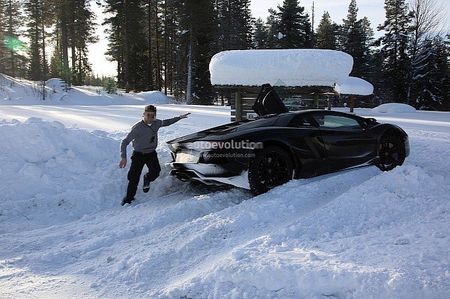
point(126, 200)
point(146, 186)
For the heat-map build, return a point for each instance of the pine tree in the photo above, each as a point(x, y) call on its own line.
point(235, 24)
point(273, 23)
point(197, 18)
point(396, 66)
point(446, 104)
point(326, 37)
point(33, 9)
point(10, 41)
point(367, 43)
point(128, 43)
point(59, 62)
point(115, 10)
point(294, 26)
point(353, 39)
point(260, 35)
point(83, 34)
point(2, 34)
point(430, 74)
point(176, 50)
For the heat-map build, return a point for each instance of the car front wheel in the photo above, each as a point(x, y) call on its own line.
point(271, 167)
point(391, 152)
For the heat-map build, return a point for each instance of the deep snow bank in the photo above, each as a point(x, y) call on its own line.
point(14, 91)
point(52, 174)
point(358, 234)
point(394, 108)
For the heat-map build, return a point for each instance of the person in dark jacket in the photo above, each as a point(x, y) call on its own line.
point(144, 138)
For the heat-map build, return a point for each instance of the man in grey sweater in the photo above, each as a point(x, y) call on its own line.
point(144, 138)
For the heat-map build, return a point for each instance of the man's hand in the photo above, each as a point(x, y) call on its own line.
point(123, 163)
point(184, 115)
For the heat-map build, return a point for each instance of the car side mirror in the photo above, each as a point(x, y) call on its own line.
point(370, 121)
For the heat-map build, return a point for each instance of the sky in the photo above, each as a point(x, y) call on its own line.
point(373, 9)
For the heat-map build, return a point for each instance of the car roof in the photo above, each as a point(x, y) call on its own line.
point(320, 111)
point(286, 117)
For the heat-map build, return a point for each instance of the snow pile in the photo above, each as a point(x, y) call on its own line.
point(153, 97)
point(56, 84)
point(25, 92)
point(290, 67)
point(334, 236)
point(394, 108)
point(51, 174)
point(354, 86)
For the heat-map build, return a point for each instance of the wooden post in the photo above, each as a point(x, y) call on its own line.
point(352, 103)
point(316, 100)
point(238, 104)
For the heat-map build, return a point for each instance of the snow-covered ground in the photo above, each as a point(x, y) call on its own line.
point(355, 234)
point(15, 91)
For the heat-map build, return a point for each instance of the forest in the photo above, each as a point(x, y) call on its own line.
point(166, 45)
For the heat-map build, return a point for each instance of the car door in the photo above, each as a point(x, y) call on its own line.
point(307, 144)
point(345, 140)
point(268, 102)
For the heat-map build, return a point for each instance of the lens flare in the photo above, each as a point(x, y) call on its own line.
point(14, 44)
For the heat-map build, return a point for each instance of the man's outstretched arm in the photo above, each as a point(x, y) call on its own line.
point(171, 121)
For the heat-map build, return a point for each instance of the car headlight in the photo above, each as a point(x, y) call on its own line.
point(189, 156)
point(173, 147)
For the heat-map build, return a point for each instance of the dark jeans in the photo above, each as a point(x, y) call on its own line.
point(138, 160)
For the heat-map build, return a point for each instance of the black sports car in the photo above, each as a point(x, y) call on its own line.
point(280, 145)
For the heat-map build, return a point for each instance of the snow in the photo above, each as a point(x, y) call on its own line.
point(359, 233)
point(45, 164)
point(354, 86)
point(15, 91)
point(288, 67)
point(394, 107)
point(56, 84)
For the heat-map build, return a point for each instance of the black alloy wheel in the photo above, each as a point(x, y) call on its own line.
point(391, 152)
point(271, 167)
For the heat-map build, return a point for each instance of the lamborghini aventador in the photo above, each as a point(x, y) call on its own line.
point(279, 145)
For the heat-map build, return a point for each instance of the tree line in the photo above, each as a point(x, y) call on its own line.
point(167, 44)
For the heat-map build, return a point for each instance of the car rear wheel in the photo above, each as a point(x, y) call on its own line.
point(271, 167)
point(391, 152)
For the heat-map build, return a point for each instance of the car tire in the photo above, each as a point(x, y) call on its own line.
point(391, 152)
point(271, 167)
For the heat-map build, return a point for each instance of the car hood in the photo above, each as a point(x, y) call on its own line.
point(268, 102)
point(217, 133)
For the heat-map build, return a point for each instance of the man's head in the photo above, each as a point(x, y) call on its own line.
point(149, 113)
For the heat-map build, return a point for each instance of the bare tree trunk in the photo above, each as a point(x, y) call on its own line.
point(158, 60)
point(65, 49)
point(10, 31)
point(149, 61)
point(189, 78)
point(166, 43)
point(44, 61)
point(80, 66)
point(126, 67)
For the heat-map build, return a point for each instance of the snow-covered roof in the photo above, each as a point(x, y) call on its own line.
point(280, 67)
point(354, 86)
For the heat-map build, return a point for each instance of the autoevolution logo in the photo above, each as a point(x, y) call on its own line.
point(232, 144)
